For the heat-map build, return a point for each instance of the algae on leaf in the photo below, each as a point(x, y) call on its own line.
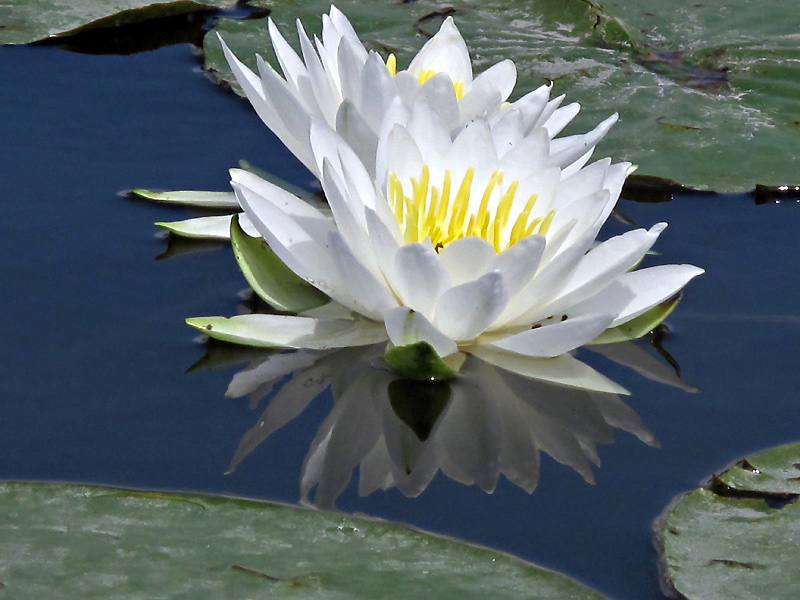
point(740, 539)
point(76, 542)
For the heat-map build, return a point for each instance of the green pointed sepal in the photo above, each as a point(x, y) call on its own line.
point(420, 362)
point(273, 281)
point(640, 326)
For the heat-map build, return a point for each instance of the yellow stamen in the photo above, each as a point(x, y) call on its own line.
point(545, 226)
point(429, 212)
point(458, 87)
point(391, 65)
point(425, 75)
point(519, 228)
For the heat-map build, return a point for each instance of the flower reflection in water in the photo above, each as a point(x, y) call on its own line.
point(484, 423)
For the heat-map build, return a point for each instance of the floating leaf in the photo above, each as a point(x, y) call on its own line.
point(741, 538)
point(699, 87)
point(25, 21)
point(63, 541)
point(273, 281)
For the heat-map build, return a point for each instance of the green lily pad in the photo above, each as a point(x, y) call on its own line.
point(26, 21)
point(774, 471)
point(273, 281)
point(707, 95)
point(741, 538)
point(78, 542)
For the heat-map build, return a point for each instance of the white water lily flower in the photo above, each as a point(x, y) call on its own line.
point(476, 244)
point(361, 96)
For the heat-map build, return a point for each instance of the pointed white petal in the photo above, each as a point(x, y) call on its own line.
point(465, 311)
point(558, 338)
point(368, 294)
point(566, 151)
point(466, 259)
point(501, 76)
point(419, 278)
point(519, 264)
point(445, 52)
point(636, 292)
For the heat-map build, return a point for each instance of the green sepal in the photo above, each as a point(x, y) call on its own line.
point(641, 325)
point(191, 198)
point(273, 281)
point(418, 361)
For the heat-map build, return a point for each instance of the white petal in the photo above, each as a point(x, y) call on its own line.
point(349, 36)
point(291, 332)
point(465, 311)
point(604, 263)
point(466, 259)
point(558, 338)
point(427, 129)
point(636, 292)
point(519, 264)
point(566, 151)
point(291, 65)
point(501, 76)
point(479, 103)
point(562, 370)
point(293, 116)
point(377, 91)
point(358, 134)
point(327, 96)
point(561, 118)
point(419, 278)
point(445, 52)
point(368, 294)
point(439, 91)
point(405, 326)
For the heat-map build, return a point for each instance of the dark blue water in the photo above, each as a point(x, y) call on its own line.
point(95, 349)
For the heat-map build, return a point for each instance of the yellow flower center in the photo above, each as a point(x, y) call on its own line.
point(434, 212)
point(425, 75)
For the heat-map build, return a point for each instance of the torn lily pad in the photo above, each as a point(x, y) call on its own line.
point(738, 539)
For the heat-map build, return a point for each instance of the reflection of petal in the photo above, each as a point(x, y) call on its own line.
point(470, 435)
point(633, 356)
point(273, 367)
point(349, 432)
point(485, 422)
point(620, 415)
point(287, 404)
